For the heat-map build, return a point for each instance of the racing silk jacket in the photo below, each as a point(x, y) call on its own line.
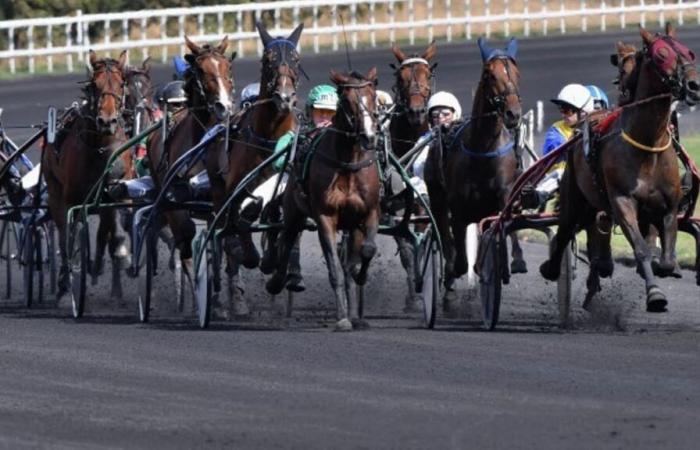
point(557, 134)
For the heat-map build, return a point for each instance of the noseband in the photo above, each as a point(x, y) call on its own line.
point(197, 73)
point(95, 101)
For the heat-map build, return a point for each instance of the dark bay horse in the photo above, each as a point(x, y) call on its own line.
point(473, 177)
point(340, 192)
point(412, 90)
point(72, 165)
point(209, 89)
point(634, 176)
point(258, 129)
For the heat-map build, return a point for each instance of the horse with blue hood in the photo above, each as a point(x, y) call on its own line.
point(470, 174)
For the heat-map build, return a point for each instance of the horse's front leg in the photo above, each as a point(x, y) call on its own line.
point(327, 237)
point(668, 265)
point(117, 250)
point(440, 210)
point(517, 265)
point(625, 212)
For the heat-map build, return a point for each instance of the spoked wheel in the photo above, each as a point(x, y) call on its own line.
point(6, 236)
point(180, 284)
point(79, 261)
point(565, 285)
point(203, 282)
point(491, 244)
point(146, 278)
point(429, 276)
point(51, 256)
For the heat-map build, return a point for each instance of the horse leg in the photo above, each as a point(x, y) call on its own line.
point(459, 231)
point(327, 237)
point(668, 265)
point(250, 256)
point(594, 245)
point(117, 250)
point(517, 265)
point(366, 246)
point(238, 304)
point(413, 301)
point(438, 205)
point(295, 281)
point(625, 211)
point(58, 213)
point(293, 226)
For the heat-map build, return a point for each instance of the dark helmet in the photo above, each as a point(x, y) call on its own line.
point(172, 93)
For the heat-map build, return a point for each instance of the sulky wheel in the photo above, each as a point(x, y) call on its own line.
point(565, 285)
point(491, 244)
point(146, 278)
point(33, 276)
point(429, 275)
point(79, 262)
point(203, 283)
point(7, 236)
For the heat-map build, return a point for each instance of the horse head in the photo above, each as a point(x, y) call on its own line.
point(105, 92)
point(138, 92)
point(357, 105)
point(280, 68)
point(625, 59)
point(209, 82)
point(668, 66)
point(500, 79)
point(412, 88)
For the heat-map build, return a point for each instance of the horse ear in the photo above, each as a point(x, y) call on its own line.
point(484, 49)
point(512, 48)
point(400, 56)
point(429, 52)
point(122, 60)
point(91, 61)
point(338, 78)
point(194, 48)
point(372, 74)
point(221, 48)
point(146, 65)
point(262, 31)
point(670, 30)
point(614, 59)
point(296, 34)
point(647, 37)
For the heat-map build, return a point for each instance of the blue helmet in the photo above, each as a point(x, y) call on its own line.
point(180, 66)
point(600, 100)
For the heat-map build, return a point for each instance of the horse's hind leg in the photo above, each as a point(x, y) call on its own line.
point(668, 265)
point(625, 212)
point(517, 265)
point(406, 254)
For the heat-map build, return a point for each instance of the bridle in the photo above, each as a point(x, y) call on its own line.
point(349, 117)
point(272, 72)
point(95, 100)
point(684, 59)
point(140, 101)
point(499, 101)
point(414, 87)
point(196, 74)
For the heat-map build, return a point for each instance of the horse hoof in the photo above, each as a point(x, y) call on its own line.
point(295, 283)
point(240, 308)
point(604, 267)
point(274, 285)
point(518, 266)
point(450, 304)
point(251, 257)
point(414, 304)
point(656, 300)
point(548, 271)
point(343, 325)
point(268, 264)
point(359, 324)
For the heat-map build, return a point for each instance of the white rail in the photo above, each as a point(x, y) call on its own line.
point(26, 42)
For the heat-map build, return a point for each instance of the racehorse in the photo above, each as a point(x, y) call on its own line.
point(258, 129)
point(74, 162)
point(625, 59)
point(409, 121)
point(473, 177)
point(340, 192)
point(209, 89)
point(633, 176)
point(412, 91)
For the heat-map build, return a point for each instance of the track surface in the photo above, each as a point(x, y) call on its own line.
point(622, 379)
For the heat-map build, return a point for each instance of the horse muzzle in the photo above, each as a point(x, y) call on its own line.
point(285, 101)
point(511, 118)
point(417, 116)
point(107, 125)
point(222, 110)
point(692, 90)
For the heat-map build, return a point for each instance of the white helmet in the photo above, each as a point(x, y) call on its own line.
point(384, 99)
point(445, 99)
point(576, 95)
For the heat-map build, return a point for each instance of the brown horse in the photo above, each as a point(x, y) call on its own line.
point(633, 175)
point(409, 122)
point(472, 179)
point(625, 59)
point(340, 192)
point(209, 89)
point(72, 165)
point(258, 130)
